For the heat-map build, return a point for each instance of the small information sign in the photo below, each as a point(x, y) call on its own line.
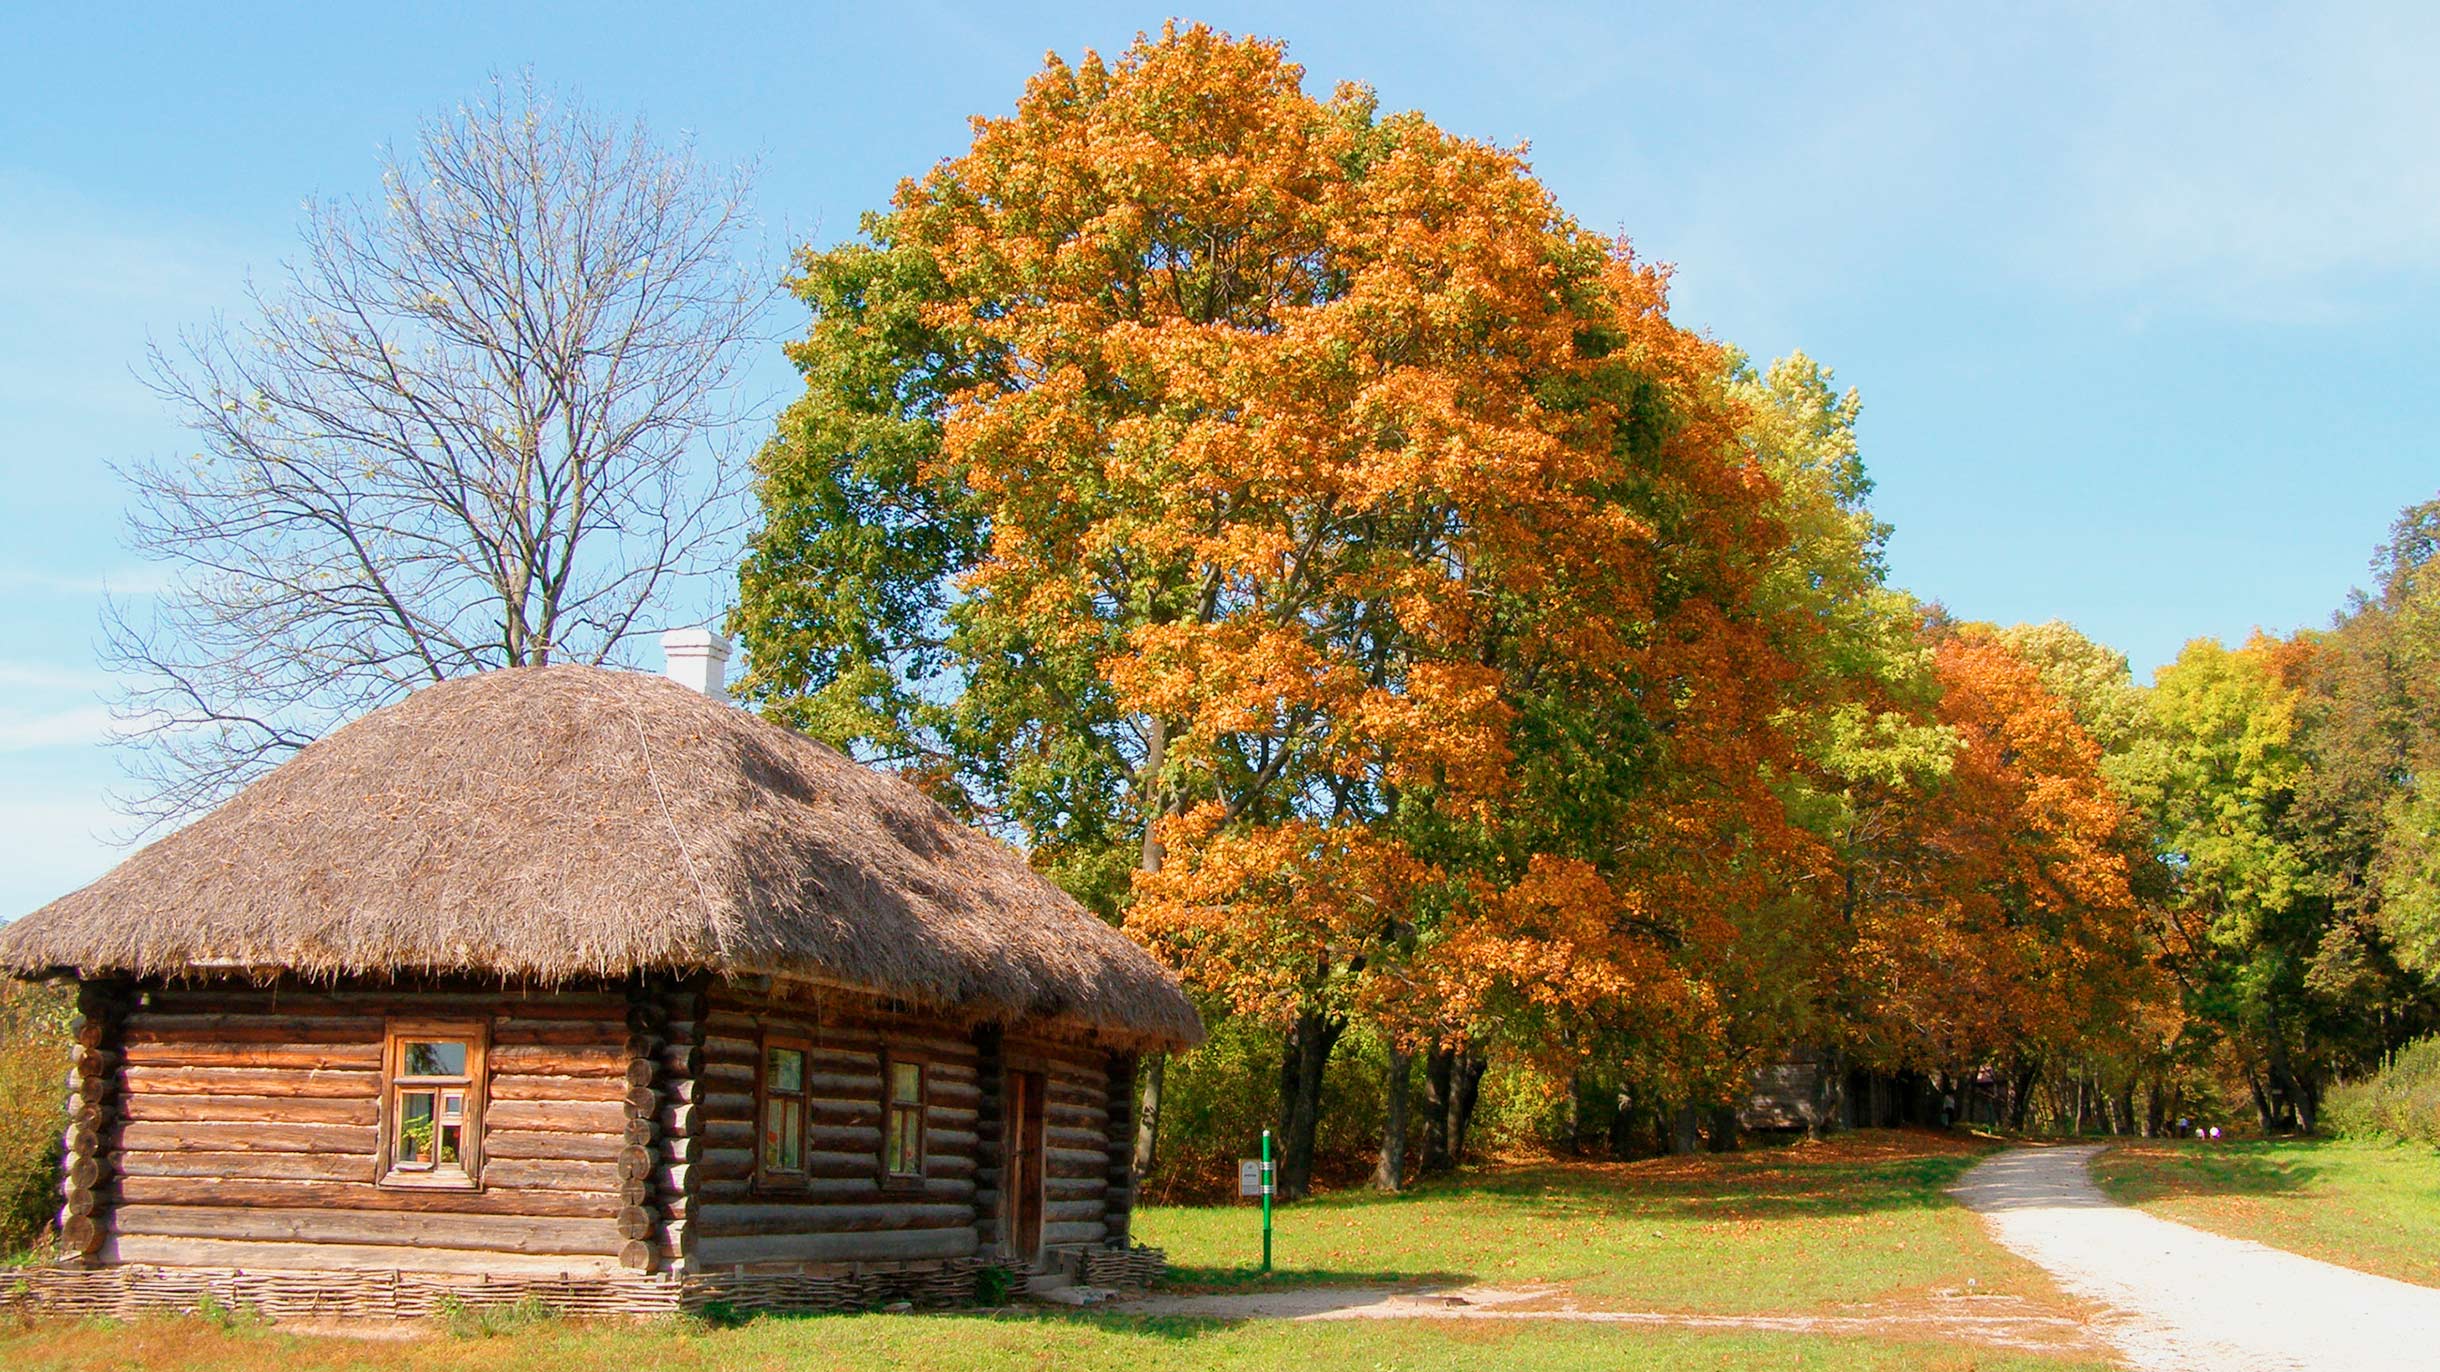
point(1249, 1177)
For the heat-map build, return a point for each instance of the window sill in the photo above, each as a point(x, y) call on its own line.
point(429, 1181)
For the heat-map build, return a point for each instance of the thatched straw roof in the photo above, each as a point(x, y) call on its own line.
point(552, 823)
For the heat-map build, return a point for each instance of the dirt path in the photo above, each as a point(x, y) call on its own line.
point(2182, 1298)
point(1996, 1321)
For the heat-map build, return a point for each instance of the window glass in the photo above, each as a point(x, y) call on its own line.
point(783, 1117)
point(784, 1135)
point(902, 1121)
point(786, 1071)
point(432, 1058)
point(415, 1128)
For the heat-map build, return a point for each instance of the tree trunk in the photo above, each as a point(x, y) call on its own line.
point(1686, 1131)
point(1439, 1065)
point(1722, 1136)
point(1301, 1062)
point(1148, 1116)
point(2020, 1095)
point(1148, 1109)
point(1390, 1173)
point(2262, 1102)
point(1465, 1084)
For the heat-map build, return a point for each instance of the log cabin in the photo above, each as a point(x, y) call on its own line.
point(580, 984)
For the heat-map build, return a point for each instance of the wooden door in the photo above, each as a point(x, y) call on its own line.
point(1024, 1165)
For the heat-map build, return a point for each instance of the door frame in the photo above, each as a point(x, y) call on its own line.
point(1023, 1170)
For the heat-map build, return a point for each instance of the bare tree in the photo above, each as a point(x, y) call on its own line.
point(482, 423)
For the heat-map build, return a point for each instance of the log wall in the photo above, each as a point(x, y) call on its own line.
point(247, 1133)
point(841, 1212)
point(1076, 1175)
point(235, 1126)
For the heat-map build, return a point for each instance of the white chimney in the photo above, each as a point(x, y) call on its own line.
point(698, 659)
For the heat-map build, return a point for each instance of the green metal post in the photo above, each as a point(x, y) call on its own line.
point(1266, 1202)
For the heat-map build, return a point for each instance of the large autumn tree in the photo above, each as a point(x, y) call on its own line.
point(1222, 489)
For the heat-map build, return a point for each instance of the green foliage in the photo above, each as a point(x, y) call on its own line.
point(2400, 1103)
point(992, 1285)
point(1217, 1100)
point(34, 1044)
point(490, 1320)
point(213, 1311)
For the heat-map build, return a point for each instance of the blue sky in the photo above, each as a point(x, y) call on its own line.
point(2141, 304)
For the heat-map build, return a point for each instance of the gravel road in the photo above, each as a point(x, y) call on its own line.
point(2181, 1298)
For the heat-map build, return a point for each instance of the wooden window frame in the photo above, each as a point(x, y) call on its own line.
point(922, 1108)
point(765, 1176)
point(396, 1034)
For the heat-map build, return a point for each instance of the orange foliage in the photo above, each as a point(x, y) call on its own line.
point(2012, 929)
point(1332, 439)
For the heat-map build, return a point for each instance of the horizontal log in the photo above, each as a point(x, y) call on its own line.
point(1075, 1188)
point(503, 1144)
point(279, 1053)
point(232, 1166)
point(1083, 1140)
point(893, 1245)
point(150, 1029)
point(859, 1138)
point(1093, 1231)
point(552, 1061)
point(323, 1083)
point(1062, 1212)
point(410, 1229)
point(520, 1087)
point(550, 1174)
point(441, 1207)
point(1075, 1162)
point(727, 1162)
point(575, 1035)
point(563, 1117)
point(283, 1137)
point(169, 1251)
point(727, 1105)
point(842, 1218)
point(250, 1109)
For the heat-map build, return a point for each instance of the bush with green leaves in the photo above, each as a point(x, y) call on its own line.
point(2400, 1103)
point(34, 1021)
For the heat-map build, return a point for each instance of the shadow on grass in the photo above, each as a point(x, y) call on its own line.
point(1100, 1322)
point(1186, 1280)
point(2135, 1173)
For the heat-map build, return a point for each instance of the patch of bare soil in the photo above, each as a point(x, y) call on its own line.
point(2008, 1322)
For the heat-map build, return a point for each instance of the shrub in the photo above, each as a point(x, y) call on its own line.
point(2400, 1103)
point(468, 1320)
point(34, 1022)
point(1217, 1100)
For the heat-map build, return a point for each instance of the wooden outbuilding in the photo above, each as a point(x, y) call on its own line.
point(580, 984)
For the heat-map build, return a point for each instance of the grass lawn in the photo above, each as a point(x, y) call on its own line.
point(1859, 1218)
point(2371, 1206)
point(956, 1343)
point(1854, 1226)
